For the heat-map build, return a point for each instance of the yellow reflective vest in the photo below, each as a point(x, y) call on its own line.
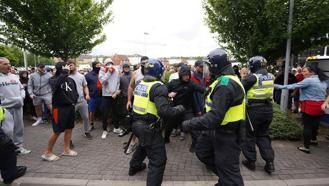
point(233, 114)
point(2, 114)
point(142, 104)
point(263, 88)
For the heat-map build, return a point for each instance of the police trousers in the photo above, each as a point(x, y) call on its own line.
point(261, 118)
point(8, 162)
point(220, 152)
point(151, 145)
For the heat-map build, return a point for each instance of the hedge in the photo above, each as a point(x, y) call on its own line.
point(284, 126)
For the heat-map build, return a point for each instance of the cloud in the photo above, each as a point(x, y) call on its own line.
point(175, 28)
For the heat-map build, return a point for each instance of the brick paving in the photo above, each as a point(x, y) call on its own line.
point(104, 159)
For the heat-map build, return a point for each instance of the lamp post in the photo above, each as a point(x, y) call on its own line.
point(284, 93)
point(24, 58)
point(145, 45)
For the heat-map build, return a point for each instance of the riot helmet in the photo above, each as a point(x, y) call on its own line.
point(218, 61)
point(255, 63)
point(154, 68)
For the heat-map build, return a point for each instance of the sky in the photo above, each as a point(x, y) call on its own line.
point(157, 28)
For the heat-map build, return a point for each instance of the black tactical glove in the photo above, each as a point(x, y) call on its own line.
point(185, 126)
point(180, 108)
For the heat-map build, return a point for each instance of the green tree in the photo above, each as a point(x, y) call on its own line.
point(54, 28)
point(14, 54)
point(259, 27)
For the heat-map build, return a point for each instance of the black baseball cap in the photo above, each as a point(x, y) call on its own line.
point(41, 65)
point(198, 64)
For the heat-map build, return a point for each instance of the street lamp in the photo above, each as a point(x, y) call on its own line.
point(145, 34)
point(284, 93)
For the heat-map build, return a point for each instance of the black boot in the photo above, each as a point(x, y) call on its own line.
point(20, 172)
point(134, 170)
point(249, 165)
point(167, 140)
point(269, 167)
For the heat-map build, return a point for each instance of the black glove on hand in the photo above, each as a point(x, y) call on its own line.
point(180, 108)
point(185, 126)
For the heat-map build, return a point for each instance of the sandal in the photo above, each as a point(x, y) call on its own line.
point(303, 149)
point(49, 157)
point(71, 153)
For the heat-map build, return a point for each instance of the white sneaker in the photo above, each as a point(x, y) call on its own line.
point(104, 134)
point(34, 118)
point(117, 131)
point(182, 136)
point(173, 133)
point(23, 151)
point(38, 122)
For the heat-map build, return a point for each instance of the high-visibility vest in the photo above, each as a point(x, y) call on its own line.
point(233, 114)
point(2, 114)
point(142, 104)
point(263, 88)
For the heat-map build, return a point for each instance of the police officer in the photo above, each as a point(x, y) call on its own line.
point(219, 145)
point(8, 159)
point(150, 104)
point(259, 86)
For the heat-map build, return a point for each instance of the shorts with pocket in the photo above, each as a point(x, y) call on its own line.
point(38, 100)
point(63, 118)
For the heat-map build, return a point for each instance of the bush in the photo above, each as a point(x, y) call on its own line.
point(284, 126)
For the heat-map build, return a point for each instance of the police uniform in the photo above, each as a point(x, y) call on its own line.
point(8, 160)
point(149, 106)
point(219, 145)
point(259, 87)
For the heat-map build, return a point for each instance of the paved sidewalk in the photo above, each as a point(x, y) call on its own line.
point(104, 160)
point(28, 181)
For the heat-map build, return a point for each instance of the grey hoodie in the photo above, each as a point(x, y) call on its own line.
point(12, 92)
point(110, 82)
point(38, 84)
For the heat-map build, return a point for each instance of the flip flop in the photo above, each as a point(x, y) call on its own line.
point(71, 153)
point(303, 149)
point(51, 157)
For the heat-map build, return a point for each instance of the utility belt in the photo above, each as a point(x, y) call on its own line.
point(155, 126)
point(231, 128)
point(148, 133)
point(255, 102)
point(236, 128)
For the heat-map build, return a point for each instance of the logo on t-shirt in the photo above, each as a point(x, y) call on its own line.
point(11, 82)
point(66, 86)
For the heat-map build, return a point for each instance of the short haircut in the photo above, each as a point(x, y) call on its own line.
point(4, 59)
point(71, 62)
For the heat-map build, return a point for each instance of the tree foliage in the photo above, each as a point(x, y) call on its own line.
point(14, 54)
point(54, 28)
point(259, 27)
point(16, 58)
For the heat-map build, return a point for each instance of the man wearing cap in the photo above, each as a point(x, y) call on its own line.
point(199, 79)
point(40, 91)
point(123, 113)
point(110, 79)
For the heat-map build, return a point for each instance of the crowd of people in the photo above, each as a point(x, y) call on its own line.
point(226, 110)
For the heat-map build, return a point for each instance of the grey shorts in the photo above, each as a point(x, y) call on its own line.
point(38, 100)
